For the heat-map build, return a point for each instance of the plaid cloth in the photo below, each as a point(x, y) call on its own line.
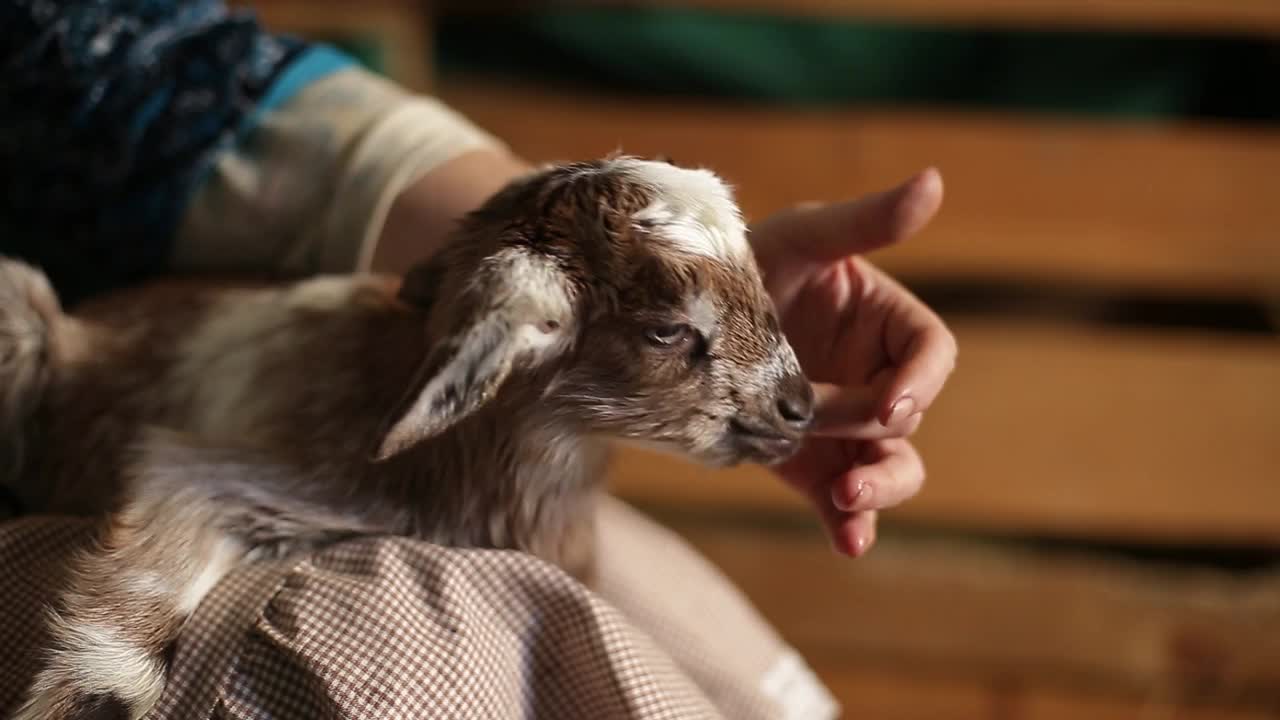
point(396, 628)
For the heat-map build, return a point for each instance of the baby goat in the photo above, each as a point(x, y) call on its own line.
point(470, 404)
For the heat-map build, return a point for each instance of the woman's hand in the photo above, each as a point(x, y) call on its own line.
point(877, 355)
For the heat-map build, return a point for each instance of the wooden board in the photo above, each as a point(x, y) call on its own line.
point(1154, 206)
point(1255, 17)
point(1071, 432)
point(403, 27)
point(1070, 624)
point(901, 694)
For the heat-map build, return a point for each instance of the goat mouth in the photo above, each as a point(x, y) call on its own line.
point(764, 449)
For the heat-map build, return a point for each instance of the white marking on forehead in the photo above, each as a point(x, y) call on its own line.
point(702, 313)
point(693, 208)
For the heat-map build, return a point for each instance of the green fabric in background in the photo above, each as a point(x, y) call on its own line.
point(806, 61)
point(368, 51)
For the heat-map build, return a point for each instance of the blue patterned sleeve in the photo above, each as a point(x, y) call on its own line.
point(112, 112)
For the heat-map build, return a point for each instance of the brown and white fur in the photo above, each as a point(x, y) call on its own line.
point(469, 404)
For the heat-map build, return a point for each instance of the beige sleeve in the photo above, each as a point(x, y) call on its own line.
point(309, 190)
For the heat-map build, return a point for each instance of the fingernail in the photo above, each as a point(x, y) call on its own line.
point(860, 546)
point(903, 408)
point(845, 545)
point(864, 543)
point(845, 501)
point(862, 499)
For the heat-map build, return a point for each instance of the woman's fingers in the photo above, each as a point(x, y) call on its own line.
point(878, 475)
point(851, 534)
point(857, 533)
point(791, 243)
point(923, 355)
point(828, 232)
point(854, 412)
point(886, 473)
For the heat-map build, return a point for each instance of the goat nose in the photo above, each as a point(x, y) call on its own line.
point(795, 402)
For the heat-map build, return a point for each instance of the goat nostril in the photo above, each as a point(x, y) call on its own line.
point(797, 410)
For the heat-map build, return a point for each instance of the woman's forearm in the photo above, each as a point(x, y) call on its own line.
point(424, 213)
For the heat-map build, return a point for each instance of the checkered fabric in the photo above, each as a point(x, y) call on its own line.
point(394, 628)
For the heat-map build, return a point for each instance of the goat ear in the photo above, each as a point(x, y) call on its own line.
point(456, 380)
point(520, 317)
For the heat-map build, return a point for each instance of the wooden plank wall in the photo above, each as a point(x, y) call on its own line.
point(1008, 633)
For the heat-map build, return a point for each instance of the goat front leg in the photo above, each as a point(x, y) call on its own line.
point(192, 515)
point(126, 599)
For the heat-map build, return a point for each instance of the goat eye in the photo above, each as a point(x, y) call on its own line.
point(674, 335)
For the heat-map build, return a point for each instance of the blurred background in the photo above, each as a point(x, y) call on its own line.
point(1100, 533)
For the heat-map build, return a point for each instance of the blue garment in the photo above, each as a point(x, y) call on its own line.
point(111, 114)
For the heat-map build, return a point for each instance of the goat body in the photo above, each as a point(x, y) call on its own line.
point(470, 404)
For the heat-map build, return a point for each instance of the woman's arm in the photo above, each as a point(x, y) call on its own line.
point(422, 214)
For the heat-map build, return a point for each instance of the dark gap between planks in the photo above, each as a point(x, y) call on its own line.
point(1097, 306)
point(1244, 560)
